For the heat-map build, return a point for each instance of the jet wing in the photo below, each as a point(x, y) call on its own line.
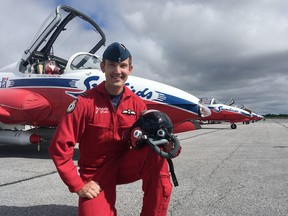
point(22, 106)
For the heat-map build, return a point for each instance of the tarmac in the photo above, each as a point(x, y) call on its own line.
point(220, 172)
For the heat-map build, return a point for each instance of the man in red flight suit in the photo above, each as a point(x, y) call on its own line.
point(97, 120)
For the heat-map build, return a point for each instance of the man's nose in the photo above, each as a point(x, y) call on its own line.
point(118, 69)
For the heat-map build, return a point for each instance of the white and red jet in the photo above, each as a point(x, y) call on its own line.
point(36, 90)
point(224, 112)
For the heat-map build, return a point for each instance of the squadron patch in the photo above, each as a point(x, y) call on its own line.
point(128, 112)
point(71, 107)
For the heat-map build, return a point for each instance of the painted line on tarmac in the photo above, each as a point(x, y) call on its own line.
point(196, 135)
point(27, 179)
point(277, 122)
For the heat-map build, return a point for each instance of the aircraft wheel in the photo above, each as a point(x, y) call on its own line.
point(233, 126)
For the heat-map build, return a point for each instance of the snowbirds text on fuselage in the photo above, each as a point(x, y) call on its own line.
point(36, 90)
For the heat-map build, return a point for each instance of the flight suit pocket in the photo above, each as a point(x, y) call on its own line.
point(166, 194)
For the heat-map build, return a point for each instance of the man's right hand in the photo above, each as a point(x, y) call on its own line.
point(90, 190)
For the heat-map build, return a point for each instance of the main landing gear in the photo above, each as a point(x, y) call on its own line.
point(233, 126)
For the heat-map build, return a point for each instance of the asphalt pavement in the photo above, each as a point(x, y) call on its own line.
point(220, 172)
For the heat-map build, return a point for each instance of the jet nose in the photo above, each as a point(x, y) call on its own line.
point(203, 111)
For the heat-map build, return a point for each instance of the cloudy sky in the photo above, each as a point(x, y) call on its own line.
point(223, 49)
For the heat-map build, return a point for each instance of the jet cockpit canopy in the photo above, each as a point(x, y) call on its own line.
point(58, 38)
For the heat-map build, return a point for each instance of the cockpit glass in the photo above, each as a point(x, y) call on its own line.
point(205, 101)
point(85, 61)
point(76, 36)
point(216, 102)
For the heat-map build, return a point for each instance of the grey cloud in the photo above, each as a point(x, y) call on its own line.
point(224, 49)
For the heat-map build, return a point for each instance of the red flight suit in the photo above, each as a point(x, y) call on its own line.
point(105, 157)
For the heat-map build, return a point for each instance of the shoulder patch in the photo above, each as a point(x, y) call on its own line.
point(71, 107)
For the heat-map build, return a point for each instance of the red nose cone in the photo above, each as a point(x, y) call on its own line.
point(35, 139)
point(185, 126)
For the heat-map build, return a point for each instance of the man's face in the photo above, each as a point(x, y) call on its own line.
point(116, 73)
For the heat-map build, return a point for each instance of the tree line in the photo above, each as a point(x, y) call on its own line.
point(276, 115)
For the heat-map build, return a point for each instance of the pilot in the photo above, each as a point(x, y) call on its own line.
point(97, 121)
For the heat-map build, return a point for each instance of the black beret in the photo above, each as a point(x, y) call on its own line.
point(116, 52)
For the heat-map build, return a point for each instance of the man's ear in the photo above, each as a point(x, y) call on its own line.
point(102, 66)
point(131, 68)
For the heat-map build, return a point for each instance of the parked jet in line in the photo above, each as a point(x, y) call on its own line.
point(254, 116)
point(223, 112)
point(36, 90)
